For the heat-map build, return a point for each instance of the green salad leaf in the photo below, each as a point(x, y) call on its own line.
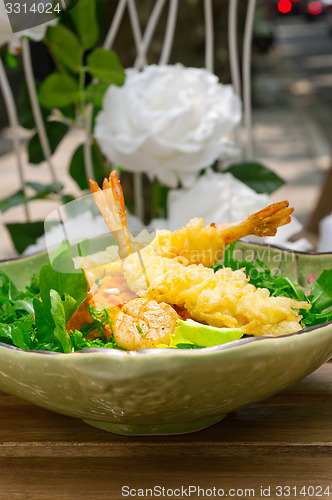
point(18, 333)
point(260, 275)
point(79, 342)
point(321, 300)
point(59, 281)
point(58, 311)
point(190, 334)
point(16, 313)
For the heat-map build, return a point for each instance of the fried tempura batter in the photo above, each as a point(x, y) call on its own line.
point(221, 299)
point(199, 244)
point(205, 245)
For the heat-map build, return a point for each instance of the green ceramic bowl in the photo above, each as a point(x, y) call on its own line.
point(167, 391)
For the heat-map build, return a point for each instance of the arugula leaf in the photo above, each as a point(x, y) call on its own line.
point(321, 300)
point(18, 333)
point(16, 314)
point(44, 322)
point(190, 332)
point(79, 342)
point(21, 334)
point(101, 318)
point(183, 345)
point(5, 333)
point(59, 317)
point(33, 288)
point(261, 276)
point(321, 292)
point(7, 288)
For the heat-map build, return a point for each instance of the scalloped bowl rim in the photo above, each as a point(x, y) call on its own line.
point(170, 351)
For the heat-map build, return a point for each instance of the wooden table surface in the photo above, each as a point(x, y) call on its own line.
point(280, 448)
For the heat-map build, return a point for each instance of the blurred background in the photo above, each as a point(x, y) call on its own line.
point(291, 97)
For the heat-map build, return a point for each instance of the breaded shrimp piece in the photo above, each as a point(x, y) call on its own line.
point(205, 245)
point(199, 244)
point(143, 323)
point(221, 299)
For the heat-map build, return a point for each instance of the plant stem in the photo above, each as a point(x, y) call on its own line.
point(14, 123)
point(36, 108)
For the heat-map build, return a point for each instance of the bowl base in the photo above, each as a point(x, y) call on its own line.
point(155, 430)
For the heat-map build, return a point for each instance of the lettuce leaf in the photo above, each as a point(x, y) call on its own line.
point(60, 276)
point(321, 301)
point(58, 311)
point(190, 334)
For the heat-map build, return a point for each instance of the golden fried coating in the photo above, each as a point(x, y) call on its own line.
point(221, 299)
point(198, 244)
point(205, 245)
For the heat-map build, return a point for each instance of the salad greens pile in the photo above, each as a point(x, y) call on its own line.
point(36, 318)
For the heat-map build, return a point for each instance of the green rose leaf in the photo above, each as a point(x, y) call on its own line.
point(85, 20)
point(94, 93)
point(41, 192)
point(25, 234)
point(66, 47)
point(259, 178)
point(58, 90)
point(13, 200)
point(77, 170)
point(55, 132)
point(105, 65)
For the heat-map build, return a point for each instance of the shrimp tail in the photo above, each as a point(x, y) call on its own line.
point(110, 202)
point(266, 221)
point(262, 223)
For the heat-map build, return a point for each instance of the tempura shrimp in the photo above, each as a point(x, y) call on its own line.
point(221, 299)
point(199, 244)
point(205, 245)
point(144, 323)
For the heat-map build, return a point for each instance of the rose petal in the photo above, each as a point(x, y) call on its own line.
point(167, 121)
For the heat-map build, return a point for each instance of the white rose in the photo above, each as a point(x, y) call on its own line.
point(36, 33)
point(167, 121)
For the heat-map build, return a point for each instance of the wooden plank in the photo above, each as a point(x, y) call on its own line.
point(296, 422)
point(98, 478)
